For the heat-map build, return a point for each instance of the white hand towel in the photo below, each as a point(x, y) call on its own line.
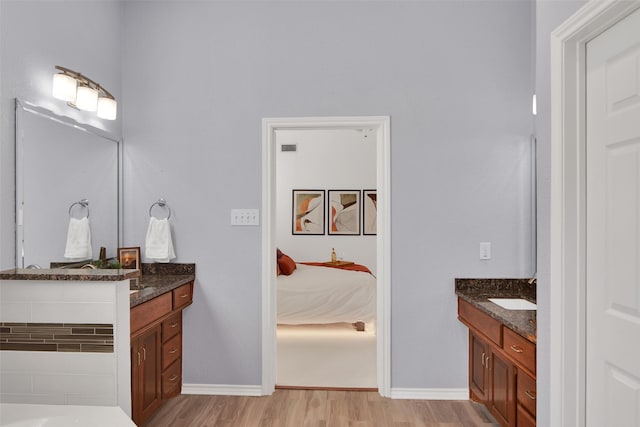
point(78, 239)
point(158, 245)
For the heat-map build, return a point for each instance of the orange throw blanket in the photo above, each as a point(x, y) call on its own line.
point(353, 267)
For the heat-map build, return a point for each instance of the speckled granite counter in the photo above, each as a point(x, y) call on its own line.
point(158, 279)
point(478, 291)
point(83, 274)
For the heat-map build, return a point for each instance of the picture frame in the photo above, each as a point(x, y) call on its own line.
point(344, 212)
point(369, 212)
point(307, 212)
point(129, 258)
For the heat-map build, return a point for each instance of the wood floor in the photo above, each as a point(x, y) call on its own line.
point(317, 408)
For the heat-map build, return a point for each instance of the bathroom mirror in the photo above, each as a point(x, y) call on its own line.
point(60, 162)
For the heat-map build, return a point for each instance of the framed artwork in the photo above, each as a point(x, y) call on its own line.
point(344, 212)
point(307, 215)
point(129, 257)
point(369, 211)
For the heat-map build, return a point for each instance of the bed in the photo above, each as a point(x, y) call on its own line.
point(313, 294)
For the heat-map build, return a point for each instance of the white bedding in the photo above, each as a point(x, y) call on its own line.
point(314, 294)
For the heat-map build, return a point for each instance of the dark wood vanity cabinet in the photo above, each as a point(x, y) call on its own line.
point(478, 368)
point(501, 368)
point(156, 351)
point(526, 396)
point(502, 399)
point(145, 366)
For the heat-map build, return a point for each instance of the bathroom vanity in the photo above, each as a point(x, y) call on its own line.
point(157, 302)
point(502, 347)
point(94, 337)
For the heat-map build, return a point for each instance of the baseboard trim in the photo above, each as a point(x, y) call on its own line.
point(430, 393)
point(222, 389)
point(297, 387)
point(396, 393)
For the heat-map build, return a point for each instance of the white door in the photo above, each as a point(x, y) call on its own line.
point(613, 226)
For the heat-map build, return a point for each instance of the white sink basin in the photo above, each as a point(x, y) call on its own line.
point(513, 303)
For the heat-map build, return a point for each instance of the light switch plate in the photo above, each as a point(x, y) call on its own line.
point(245, 216)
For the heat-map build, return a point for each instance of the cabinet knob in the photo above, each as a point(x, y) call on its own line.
point(174, 325)
point(173, 378)
point(530, 394)
point(173, 350)
point(184, 295)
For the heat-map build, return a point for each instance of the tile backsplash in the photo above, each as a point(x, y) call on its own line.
point(64, 337)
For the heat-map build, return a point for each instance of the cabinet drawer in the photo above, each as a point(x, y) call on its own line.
point(172, 326)
point(480, 321)
point(524, 419)
point(171, 351)
point(150, 311)
point(527, 392)
point(172, 380)
point(520, 349)
point(182, 296)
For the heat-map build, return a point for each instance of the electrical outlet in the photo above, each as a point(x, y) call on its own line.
point(485, 250)
point(245, 216)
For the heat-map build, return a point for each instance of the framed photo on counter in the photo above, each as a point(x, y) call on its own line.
point(129, 258)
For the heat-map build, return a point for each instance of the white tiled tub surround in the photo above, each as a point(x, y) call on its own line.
point(26, 415)
point(43, 377)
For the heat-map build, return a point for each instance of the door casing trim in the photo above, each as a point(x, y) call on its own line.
point(381, 126)
point(567, 331)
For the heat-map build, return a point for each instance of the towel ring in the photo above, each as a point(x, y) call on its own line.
point(163, 204)
point(84, 203)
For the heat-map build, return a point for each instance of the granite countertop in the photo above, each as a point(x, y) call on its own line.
point(150, 286)
point(478, 291)
point(156, 279)
point(85, 274)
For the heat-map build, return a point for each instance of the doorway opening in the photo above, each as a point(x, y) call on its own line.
point(370, 128)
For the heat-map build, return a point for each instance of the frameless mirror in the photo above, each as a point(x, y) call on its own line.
point(60, 162)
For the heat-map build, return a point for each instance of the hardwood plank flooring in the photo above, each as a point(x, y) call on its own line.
point(318, 408)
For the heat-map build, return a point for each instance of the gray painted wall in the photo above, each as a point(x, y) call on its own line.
point(549, 14)
point(197, 78)
point(455, 77)
point(34, 37)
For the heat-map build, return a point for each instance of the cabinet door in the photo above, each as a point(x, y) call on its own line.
point(146, 385)
point(502, 399)
point(478, 368)
point(524, 418)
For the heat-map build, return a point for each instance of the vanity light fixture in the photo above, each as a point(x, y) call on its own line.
point(83, 93)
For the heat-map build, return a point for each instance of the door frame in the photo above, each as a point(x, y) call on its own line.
point(567, 345)
point(381, 127)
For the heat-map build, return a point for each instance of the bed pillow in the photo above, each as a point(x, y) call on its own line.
point(286, 264)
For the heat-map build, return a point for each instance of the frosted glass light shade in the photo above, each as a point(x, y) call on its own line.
point(87, 98)
point(64, 87)
point(107, 108)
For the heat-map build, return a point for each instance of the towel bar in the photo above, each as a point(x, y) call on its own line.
point(163, 204)
point(84, 203)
